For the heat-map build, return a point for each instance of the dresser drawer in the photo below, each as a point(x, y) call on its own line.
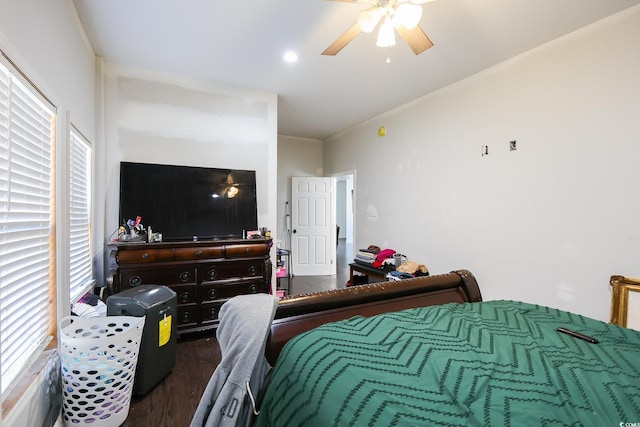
point(246, 251)
point(214, 291)
point(188, 315)
point(229, 270)
point(186, 294)
point(209, 311)
point(136, 256)
point(158, 276)
point(206, 252)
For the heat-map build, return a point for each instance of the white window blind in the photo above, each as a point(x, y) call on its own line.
point(80, 272)
point(27, 279)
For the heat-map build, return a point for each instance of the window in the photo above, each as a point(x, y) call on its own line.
point(80, 273)
point(27, 236)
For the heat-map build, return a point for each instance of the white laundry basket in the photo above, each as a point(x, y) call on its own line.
point(98, 357)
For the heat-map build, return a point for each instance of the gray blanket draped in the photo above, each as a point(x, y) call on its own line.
point(228, 399)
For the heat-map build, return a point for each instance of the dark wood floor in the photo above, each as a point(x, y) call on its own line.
point(173, 401)
point(307, 284)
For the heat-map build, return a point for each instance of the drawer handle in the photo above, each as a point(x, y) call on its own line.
point(247, 250)
point(252, 270)
point(213, 294)
point(213, 313)
point(185, 276)
point(199, 253)
point(186, 317)
point(212, 274)
point(135, 281)
point(185, 296)
point(253, 289)
point(145, 255)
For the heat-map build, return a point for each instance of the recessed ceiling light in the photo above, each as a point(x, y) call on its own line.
point(290, 57)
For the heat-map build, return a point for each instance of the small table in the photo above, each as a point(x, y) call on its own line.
point(379, 273)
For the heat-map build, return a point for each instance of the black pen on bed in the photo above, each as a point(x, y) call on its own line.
point(575, 334)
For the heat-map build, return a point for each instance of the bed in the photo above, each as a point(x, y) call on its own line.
point(300, 313)
point(429, 351)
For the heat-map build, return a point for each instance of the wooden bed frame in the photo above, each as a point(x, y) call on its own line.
point(300, 313)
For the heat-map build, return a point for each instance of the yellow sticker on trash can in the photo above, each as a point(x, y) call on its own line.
point(164, 332)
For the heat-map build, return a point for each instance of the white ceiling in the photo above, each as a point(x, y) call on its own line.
point(242, 43)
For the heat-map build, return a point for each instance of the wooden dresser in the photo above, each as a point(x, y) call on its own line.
point(203, 274)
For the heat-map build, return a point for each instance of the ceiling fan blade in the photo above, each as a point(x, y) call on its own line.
point(415, 38)
point(342, 41)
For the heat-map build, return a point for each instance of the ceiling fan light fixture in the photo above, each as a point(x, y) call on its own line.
point(386, 34)
point(402, 16)
point(369, 18)
point(408, 15)
point(232, 192)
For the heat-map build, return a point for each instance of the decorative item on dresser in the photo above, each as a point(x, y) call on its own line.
point(204, 274)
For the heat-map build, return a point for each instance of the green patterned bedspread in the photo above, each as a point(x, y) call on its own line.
point(495, 363)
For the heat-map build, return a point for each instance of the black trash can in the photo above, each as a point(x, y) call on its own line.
point(157, 355)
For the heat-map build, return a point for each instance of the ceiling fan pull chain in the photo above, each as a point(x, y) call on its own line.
point(388, 55)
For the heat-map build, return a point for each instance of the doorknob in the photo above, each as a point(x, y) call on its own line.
point(295, 231)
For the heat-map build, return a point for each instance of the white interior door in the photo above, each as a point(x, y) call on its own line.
point(313, 226)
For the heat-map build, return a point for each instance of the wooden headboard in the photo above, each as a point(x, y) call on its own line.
point(300, 313)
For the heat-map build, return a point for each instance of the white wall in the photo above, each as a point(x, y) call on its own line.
point(296, 157)
point(49, 37)
point(45, 40)
point(548, 223)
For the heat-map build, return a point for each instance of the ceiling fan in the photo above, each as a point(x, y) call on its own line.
point(401, 15)
point(229, 189)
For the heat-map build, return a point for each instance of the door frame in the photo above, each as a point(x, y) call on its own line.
point(352, 174)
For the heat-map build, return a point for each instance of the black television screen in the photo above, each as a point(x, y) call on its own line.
point(183, 202)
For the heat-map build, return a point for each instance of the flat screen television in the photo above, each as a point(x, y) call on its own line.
point(183, 202)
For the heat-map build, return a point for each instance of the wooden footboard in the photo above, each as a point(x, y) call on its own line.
point(300, 313)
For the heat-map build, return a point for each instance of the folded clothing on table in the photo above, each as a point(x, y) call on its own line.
point(382, 256)
point(375, 257)
point(366, 256)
